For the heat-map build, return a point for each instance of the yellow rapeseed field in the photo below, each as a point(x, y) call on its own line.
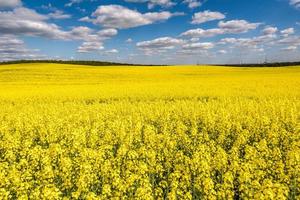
point(173, 132)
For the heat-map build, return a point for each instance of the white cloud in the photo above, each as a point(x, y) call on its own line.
point(58, 14)
point(24, 21)
point(87, 34)
point(250, 43)
point(290, 41)
point(287, 32)
point(129, 40)
point(194, 39)
point(290, 48)
point(181, 47)
point(12, 48)
point(206, 16)
point(112, 51)
point(22, 14)
point(81, 32)
point(10, 3)
point(107, 33)
point(159, 45)
point(201, 46)
point(116, 16)
point(153, 3)
point(191, 53)
point(163, 42)
point(295, 3)
point(262, 43)
point(72, 2)
point(49, 7)
point(55, 13)
point(255, 44)
point(168, 3)
point(269, 30)
point(229, 27)
point(222, 51)
point(199, 33)
point(193, 3)
point(87, 47)
point(227, 40)
point(10, 40)
point(92, 41)
point(237, 26)
point(86, 19)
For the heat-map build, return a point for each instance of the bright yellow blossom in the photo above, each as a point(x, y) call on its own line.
point(174, 132)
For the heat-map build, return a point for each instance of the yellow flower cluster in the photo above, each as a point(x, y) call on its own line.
point(73, 132)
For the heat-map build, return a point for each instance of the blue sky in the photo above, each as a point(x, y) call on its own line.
point(151, 31)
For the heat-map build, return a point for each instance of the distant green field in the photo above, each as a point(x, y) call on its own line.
point(133, 132)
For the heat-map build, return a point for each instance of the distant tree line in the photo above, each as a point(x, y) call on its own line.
point(105, 63)
point(72, 62)
point(275, 64)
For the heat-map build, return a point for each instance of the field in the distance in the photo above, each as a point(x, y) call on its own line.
point(174, 132)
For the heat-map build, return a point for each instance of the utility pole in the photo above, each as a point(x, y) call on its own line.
point(266, 59)
point(241, 58)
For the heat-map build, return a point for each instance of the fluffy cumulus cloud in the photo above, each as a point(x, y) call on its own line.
point(107, 33)
point(181, 47)
point(87, 34)
point(206, 16)
point(193, 3)
point(237, 26)
point(81, 32)
point(200, 33)
point(12, 48)
point(190, 45)
point(290, 41)
point(90, 47)
point(229, 27)
point(159, 45)
point(244, 43)
point(24, 21)
point(240, 45)
point(116, 16)
point(129, 40)
point(269, 30)
point(195, 48)
point(295, 3)
point(168, 3)
point(287, 32)
point(10, 3)
point(58, 14)
point(93, 41)
point(153, 3)
point(269, 39)
point(198, 46)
